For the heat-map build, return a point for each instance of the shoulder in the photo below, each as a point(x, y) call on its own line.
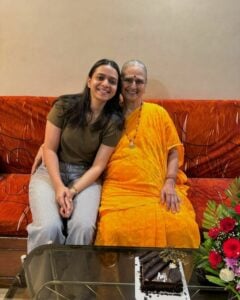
point(154, 108)
point(115, 123)
point(115, 120)
point(112, 132)
point(65, 102)
point(70, 96)
point(67, 99)
point(157, 114)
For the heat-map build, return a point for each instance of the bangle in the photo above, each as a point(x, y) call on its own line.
point(74, 188)
point(170, 177)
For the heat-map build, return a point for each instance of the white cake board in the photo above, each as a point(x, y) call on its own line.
point(139, 295)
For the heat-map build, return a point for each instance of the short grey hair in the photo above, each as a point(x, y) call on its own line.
point(134, 62)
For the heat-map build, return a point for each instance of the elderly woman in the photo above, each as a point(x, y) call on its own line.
point(144, 200)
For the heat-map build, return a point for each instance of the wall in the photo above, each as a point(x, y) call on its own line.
point(191, 48)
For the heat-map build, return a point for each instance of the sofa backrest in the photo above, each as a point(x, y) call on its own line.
point(209, 130)
point(22, 126)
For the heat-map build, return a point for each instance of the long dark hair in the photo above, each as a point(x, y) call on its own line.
point(79, 106)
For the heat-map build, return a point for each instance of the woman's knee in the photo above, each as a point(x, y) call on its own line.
point(39, 234)
point(86, 225)
point(80, 233)
point(52, 226)
point(48, 230)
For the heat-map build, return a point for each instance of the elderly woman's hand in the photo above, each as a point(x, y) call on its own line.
point(169, 196)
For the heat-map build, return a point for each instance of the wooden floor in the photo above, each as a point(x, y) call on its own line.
point(20, 294)
point(11, 250)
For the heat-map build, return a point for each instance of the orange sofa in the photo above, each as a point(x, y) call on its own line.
point(209, 130)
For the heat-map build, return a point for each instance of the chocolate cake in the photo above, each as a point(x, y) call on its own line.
point(159, 275)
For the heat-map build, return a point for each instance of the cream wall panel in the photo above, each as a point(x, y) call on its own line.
point(191, 47)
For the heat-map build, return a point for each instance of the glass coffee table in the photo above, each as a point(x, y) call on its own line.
point(92, 272)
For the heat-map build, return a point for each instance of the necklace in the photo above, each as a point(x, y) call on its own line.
point(131, 140)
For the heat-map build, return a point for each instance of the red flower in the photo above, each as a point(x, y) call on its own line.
point(214, 258)
point(227, 224)
point(231, 248)
point(214, 232)
point(237, 209)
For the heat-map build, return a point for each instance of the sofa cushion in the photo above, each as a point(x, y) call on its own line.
point(15, 214)
point(203, 189)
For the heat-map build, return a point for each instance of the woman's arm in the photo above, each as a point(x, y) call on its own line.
point(50, 148)
point(168, 193)
point(38, 159)
point(93, 173)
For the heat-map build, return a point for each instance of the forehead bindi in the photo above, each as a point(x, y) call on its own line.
point(134, 72)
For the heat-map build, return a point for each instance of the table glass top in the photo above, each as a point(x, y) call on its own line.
point(92, 272)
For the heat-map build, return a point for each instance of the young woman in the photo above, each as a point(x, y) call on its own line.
point(81, 133)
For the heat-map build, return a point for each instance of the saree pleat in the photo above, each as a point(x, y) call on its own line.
point(131, 211)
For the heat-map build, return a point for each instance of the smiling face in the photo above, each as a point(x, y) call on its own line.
point(103, 83)
point(133, 83)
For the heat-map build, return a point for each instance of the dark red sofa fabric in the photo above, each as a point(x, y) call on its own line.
point(15, 214)
point(22, 124)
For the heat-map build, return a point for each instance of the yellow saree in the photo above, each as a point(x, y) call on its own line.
point(131, 212)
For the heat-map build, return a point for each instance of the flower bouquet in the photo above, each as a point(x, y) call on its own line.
point(219, 254)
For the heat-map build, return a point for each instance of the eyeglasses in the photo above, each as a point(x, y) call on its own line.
point(131, 80)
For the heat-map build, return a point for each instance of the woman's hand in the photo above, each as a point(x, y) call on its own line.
point(64, 198)
point(169, 196)
point(38, 159)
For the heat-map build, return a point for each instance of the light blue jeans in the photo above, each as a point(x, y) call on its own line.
point(48, 226)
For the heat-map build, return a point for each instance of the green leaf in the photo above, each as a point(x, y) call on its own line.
point(223, 211)
point(216, 280)
point(202, 264)
point(211, 204)
point(210, 217)
point(208, 244)
point(231, 288)
point(210, 270)
point(233, 191)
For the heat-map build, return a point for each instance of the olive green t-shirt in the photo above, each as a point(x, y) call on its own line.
point(80, 145)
